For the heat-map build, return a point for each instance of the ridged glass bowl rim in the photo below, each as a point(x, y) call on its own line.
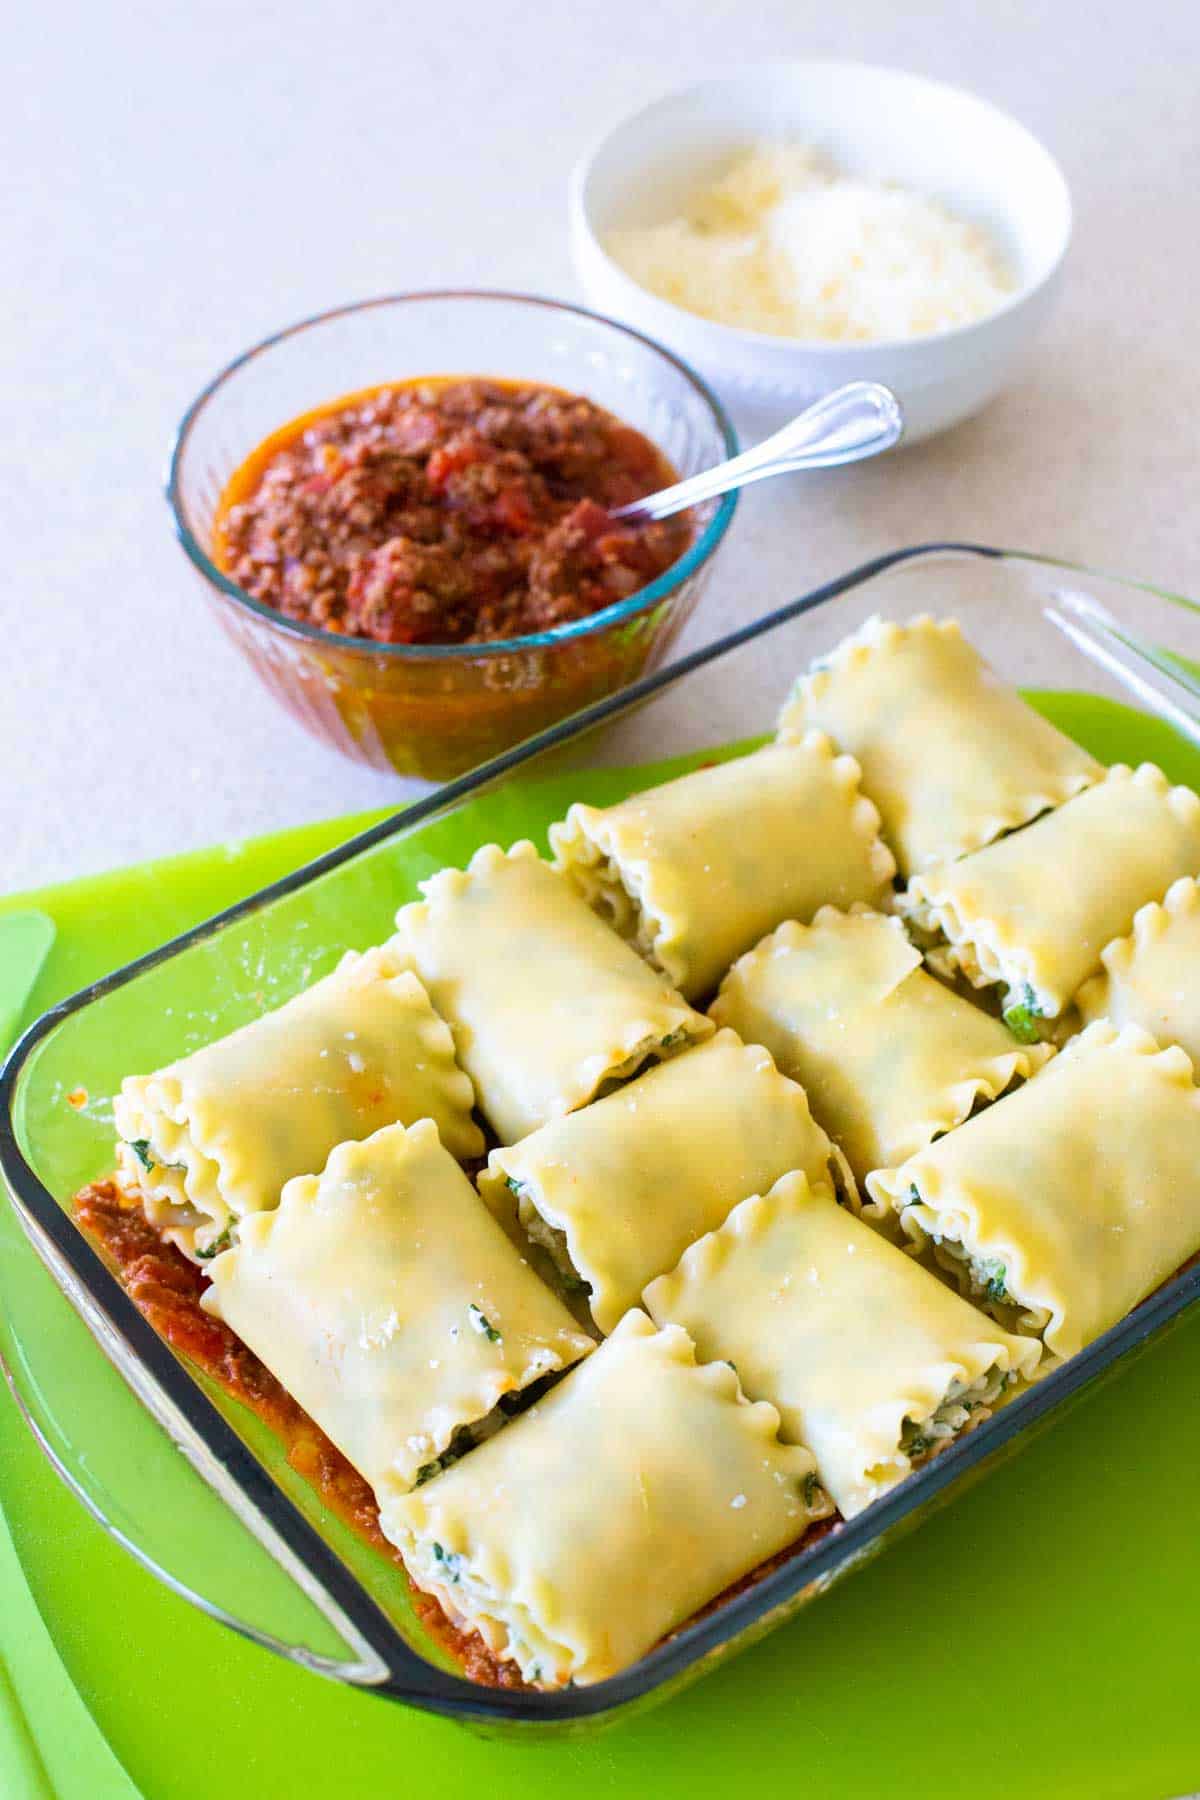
point(674, 577)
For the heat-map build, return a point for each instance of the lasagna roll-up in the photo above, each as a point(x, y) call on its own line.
point(609, 1512)
point(1070, 1200)
point(1152, 977)
point(616, 1192)
point(950, 754)
point(694, 872)
point(390, 1304)
point(1033, 913)
point(547, 1005)
point(872, 1362)
point(214, 1136)
point(888, 1056)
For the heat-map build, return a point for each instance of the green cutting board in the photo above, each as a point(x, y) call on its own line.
point(1038, 1637)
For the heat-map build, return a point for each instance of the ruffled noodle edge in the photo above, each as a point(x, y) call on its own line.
point(632, 893)
point(530, 1630)
point(948, 1108)
point(537, 1197)
point(880, 636)
point(181, 1202)
point(1033, 1310)
point(955, 1104)
point(792, 935)
point(985, 949)
point(1151, 924)
point(468, 1404)
point(874, 636)
point(641, 1040)
point(884, 1463)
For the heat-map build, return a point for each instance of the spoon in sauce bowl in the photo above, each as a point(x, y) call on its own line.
point(853, 422)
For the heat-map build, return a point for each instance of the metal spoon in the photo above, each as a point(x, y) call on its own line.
point(853, 422)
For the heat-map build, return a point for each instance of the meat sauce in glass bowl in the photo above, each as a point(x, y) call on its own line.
point(426, 571)
point(447, 511)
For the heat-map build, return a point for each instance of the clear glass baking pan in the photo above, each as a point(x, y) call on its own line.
point(1115, 664)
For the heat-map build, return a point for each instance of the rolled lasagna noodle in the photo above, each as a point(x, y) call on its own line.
point(617, 1191)
point(694, 872)
point(547, 1005)
point(951, 756)
point(390, 1304)
point(1152, 977)
point(1032, 913)
point(888, 1057)
point(1071, 1199)
point(214, 1136)
point(608, 1513)
point(872, 1362)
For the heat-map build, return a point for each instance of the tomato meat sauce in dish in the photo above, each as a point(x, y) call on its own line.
point(447, 511)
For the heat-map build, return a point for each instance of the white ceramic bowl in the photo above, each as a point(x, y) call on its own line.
point(875, 122)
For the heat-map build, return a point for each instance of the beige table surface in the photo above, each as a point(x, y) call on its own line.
point(177, 180)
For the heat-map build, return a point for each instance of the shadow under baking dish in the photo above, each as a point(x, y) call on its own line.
point(322, 1597)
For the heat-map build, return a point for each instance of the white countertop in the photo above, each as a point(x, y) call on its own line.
point(183, 179)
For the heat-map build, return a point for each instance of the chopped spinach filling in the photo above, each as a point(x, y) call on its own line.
point(449, 1562)
point(1022, 1017)
point(141, 1149)
point(919, 1439)
point(987, 1276)
point(481, 1324)
point(428, 1470)
point(550, 1239)
point(994, 1277)
point(554, 1242)
point(674, 1039)
point(462, 1441)
point(218, 1244)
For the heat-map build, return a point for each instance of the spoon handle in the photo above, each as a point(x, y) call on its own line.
point(845, 426)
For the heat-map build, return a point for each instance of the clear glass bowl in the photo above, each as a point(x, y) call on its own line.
point(436, 710)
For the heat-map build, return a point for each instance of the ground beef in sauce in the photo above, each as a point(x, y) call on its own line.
point(453, 512)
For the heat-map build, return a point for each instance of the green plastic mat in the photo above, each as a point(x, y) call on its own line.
point(1037, 1636)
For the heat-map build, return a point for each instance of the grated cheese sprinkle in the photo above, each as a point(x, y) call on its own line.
point(786, 244)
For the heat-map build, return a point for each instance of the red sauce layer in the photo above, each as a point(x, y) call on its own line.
point(446, 511)
point(166, 1288)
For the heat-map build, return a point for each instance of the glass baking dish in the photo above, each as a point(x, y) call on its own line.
point(296, 1580)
